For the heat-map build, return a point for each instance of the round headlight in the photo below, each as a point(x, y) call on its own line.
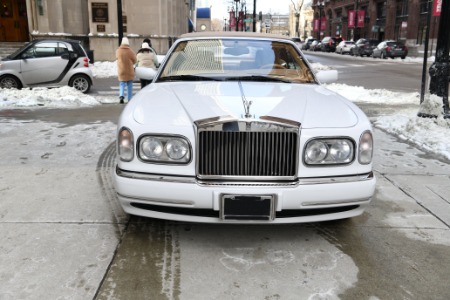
point(341, 150)
point(176, 149)
point(316, 151)
point(151, 148)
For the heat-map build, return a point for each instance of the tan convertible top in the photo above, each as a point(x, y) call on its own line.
point(239, 34)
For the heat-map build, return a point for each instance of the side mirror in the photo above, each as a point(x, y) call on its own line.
point(327, 76)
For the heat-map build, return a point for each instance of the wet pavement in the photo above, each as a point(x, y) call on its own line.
point(64, 236)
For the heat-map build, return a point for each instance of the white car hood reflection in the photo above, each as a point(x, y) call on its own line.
point(186, 102)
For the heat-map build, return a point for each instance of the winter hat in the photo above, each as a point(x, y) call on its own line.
point(147, 40)
point(125, 41)
point(145, 46)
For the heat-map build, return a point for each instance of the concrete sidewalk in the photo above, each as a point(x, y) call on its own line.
point(420, 175)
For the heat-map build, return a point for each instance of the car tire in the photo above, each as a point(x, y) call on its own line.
point(80, 82)
point(403, 57)
point(10, 82)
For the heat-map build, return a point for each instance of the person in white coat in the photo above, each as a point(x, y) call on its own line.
point(146, 58)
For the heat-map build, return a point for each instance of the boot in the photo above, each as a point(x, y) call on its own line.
point(121, 99)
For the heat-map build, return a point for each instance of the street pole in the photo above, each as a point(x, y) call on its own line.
point(425, 56)
point(320, 20)
point(440, 69)
point(355, 35)
point(120, 20)
point(237, 15)
point(254, 15)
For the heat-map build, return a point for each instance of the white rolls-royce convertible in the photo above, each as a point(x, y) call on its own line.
point(237, 128)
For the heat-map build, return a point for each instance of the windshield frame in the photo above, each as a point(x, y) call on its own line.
point(224, 59)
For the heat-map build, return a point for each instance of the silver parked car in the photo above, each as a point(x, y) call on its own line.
point(47, 63)
point(390, 49)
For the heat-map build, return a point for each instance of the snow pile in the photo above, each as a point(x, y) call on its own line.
point(62, 97)
point(429, 134)
point(360, 94)
point(319, 67)
point(104, 69)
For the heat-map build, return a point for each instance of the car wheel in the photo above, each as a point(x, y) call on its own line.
point(10, 82)
point(81, 83)
point(403, 57)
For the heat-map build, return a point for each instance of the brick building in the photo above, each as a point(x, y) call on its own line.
point(404, 20)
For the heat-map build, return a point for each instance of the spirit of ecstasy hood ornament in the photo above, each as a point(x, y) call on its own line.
point(247, 103)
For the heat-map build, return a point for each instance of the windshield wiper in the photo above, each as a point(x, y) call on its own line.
point(257, 78)
point(187, 78)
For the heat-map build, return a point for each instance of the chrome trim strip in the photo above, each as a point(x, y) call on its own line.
point(222, 182)
point(337, 179)
point(281, 121)
point(155, 177)
point(215, 121)
point(227, 178)
point(247, 183)
point(152, 201)
point(318, 203)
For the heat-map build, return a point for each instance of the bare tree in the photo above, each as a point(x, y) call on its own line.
point(297, 9)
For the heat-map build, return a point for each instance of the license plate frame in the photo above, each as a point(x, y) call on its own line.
point(247, 207)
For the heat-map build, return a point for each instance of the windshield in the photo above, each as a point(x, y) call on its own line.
point(15, 53)
point(236, 59)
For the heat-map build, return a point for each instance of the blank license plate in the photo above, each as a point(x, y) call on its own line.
point(238, 207)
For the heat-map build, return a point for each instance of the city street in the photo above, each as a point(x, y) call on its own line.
point(390, 74)
point(64, 235)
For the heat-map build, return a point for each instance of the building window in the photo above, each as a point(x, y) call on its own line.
point(423, 14)
point(402, 8)
point(401, 20)
point(423, 6)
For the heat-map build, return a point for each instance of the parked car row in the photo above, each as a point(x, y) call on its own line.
point(327, 44)
point(362, 47)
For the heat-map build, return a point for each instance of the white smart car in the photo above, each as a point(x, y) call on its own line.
point(48, 63)
point(218, 139)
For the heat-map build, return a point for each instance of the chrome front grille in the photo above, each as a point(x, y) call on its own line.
point(242, 154)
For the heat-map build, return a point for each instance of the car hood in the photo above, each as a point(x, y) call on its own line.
point(186, 102)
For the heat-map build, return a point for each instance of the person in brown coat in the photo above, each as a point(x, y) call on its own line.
point(126, 59)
